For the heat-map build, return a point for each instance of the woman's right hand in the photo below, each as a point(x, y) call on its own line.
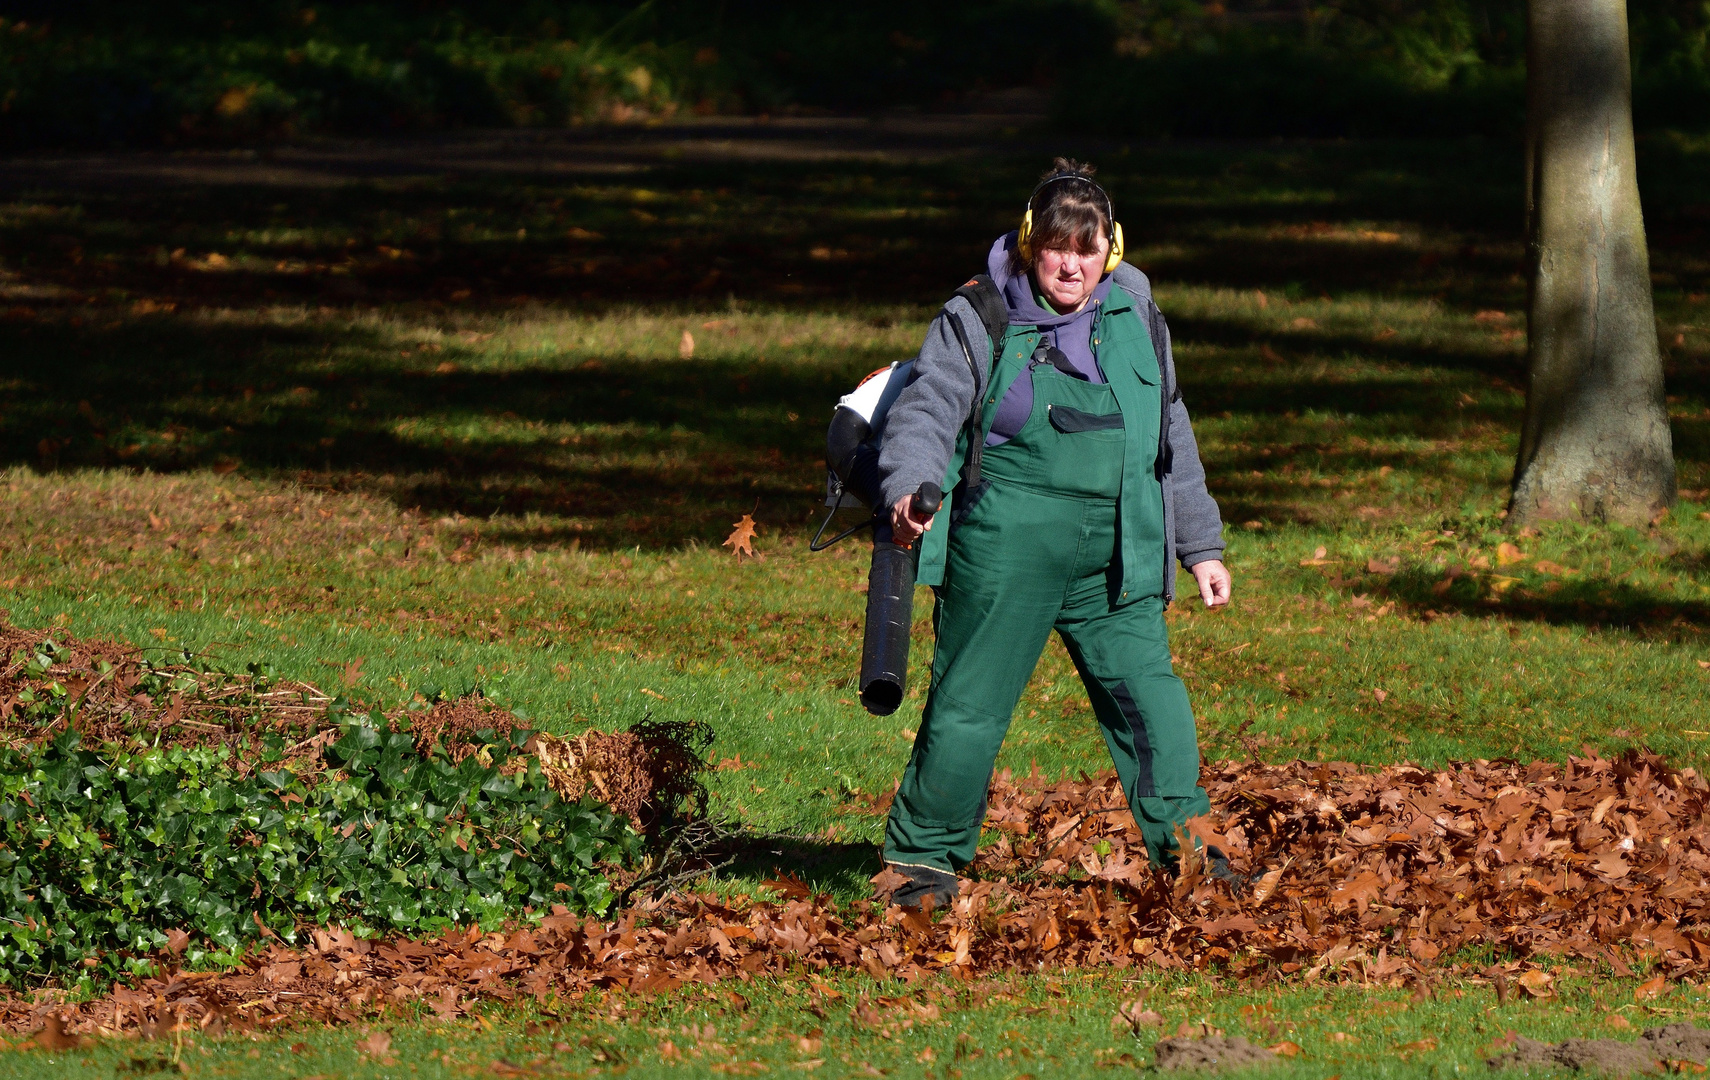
point(908, 521)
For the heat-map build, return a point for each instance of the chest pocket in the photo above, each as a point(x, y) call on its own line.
point(1070, 420)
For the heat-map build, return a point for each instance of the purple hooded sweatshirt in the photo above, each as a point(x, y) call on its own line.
point(1070, 333)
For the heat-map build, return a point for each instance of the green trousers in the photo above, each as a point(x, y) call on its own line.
point(1026, 562)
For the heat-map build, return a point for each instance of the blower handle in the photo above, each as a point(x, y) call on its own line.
point(929, 498)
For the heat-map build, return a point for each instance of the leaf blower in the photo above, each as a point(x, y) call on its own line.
point(852, 455)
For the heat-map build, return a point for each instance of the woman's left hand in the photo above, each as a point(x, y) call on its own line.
point(1214, 582)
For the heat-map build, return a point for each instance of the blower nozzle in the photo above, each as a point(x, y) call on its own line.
point(890, 614)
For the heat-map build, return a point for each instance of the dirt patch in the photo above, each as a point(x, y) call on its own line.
point(1656, 1051)
point(1609, 1056)
point(1679, 1042)
point(1210, 1053)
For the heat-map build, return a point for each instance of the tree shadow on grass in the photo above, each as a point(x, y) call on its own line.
point(1593, 601)
point(612, 451)
point(609, 451)
point(656, 452)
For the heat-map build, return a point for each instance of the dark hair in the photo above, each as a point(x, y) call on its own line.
point(1068, 215)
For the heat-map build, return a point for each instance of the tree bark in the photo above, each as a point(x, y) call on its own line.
point(1595, 445)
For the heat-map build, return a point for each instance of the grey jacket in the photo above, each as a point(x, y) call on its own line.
point(921, 427)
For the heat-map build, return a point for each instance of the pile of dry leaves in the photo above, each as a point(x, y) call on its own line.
point(112, 692)
point(117, 694)
point(1369, 875)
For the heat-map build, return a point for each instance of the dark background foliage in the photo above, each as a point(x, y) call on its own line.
point(101, 72)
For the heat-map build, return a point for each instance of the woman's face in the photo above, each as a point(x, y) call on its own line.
point(1067, 278)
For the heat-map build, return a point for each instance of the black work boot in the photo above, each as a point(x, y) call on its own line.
point(925, 882)
point(1217, 868)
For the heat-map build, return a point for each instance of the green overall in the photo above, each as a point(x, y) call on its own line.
point(1073, 496)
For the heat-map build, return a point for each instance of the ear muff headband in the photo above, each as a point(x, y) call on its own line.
point(1024, 236)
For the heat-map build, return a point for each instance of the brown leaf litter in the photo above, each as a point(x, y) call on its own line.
point(104, 684)
point(1359, 875)
point(1377, 876)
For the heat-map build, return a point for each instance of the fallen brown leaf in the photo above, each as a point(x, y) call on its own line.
point(741, 538)
point(1537, 983)
point(53, 1035)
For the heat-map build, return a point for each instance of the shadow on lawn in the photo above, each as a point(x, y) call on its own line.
point(835, 866)
point(671, 450)
point(1590, 601)
point(619, 451)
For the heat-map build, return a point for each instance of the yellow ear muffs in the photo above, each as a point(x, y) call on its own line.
point(1025, 233)
point(1024, 240)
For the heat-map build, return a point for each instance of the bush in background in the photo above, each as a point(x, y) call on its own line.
point(100, 72)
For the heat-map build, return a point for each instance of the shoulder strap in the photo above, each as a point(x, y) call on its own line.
point(982, 293)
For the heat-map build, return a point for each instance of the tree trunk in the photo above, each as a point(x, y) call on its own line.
point(1596, 444)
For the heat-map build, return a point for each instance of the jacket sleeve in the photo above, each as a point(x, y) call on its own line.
point(921, 427)
point(1199, 525)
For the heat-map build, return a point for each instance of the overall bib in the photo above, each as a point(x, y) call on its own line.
point(1041, 550)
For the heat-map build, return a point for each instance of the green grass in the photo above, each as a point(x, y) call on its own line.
point(447, 428)
point(1039, 1025)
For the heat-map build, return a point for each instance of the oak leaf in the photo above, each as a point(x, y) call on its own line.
point(1537, 983)
point(788, 885)
point(741, 538)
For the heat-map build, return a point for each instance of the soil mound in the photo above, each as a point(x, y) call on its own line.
point(1679, 1042)
point(1210, 1053)
point(1657, 1050)
point(1602, 1056)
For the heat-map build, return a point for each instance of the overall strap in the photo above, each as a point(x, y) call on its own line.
point(1131, 364)
point(962, 476)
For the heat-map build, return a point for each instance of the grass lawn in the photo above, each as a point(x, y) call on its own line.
point(458, 429)
point(1042, 1025)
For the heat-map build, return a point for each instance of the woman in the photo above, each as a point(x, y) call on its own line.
point(1088, 486)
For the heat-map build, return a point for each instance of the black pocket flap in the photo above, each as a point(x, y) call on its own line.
point(1069, 420)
